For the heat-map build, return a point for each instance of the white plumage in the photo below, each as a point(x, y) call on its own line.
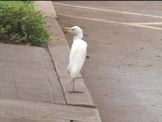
point(77, 53)
point(77, 57)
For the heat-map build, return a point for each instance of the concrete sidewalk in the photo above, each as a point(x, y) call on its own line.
point(35, 83)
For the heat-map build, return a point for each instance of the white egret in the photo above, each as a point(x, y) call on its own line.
point(77, 53)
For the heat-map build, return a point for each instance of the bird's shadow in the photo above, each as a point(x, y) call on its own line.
point(75, 92)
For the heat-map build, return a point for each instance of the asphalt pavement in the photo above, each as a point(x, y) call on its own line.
point(123, 72)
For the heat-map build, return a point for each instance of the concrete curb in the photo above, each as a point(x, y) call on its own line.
point(49, 111)
point(59, 50)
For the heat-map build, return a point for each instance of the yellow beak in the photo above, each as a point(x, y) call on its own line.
point(65, 28)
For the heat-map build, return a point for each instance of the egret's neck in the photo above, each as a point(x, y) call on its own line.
point(78, 36)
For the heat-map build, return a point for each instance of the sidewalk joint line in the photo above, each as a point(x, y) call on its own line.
point(58, 77)
point(47, 75)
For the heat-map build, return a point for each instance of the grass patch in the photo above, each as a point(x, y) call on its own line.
point(33, 30)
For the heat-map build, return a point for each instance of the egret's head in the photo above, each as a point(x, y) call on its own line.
point(75, 29)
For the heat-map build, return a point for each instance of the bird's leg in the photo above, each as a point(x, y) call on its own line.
point(78, 77)
point(73, 85)
point(73, 81)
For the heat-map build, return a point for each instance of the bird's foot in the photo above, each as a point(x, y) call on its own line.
point(78, 77)
point(75, 92)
